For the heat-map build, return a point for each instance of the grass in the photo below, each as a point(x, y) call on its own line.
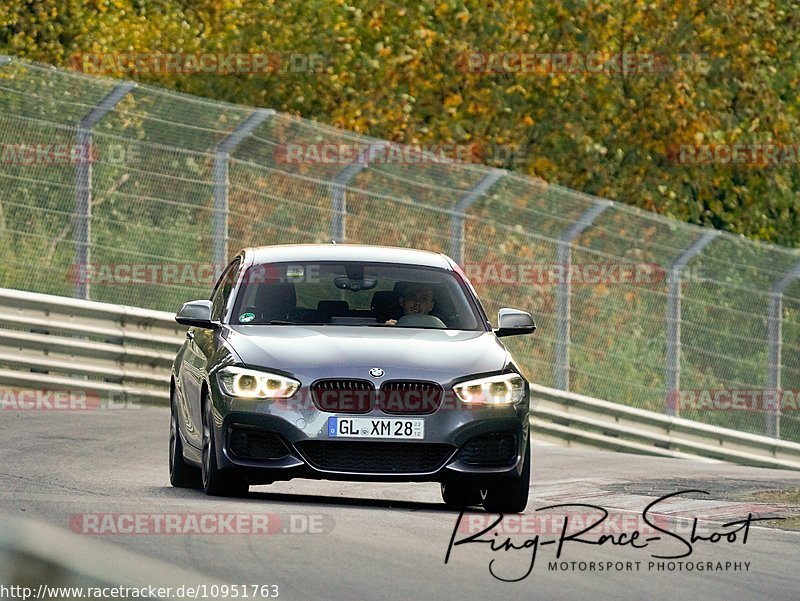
point(787, 502)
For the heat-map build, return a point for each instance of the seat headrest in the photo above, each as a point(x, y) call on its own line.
point(386, 305)
point(339, 308)
point(275, 301)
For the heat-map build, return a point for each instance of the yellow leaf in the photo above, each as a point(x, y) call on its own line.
point(452, 100)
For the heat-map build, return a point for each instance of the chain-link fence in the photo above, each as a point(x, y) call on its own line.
point(136, 195)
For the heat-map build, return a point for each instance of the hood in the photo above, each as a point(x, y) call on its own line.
point(347, 351)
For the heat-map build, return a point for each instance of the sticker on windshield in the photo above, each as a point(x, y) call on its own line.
point(246, 317)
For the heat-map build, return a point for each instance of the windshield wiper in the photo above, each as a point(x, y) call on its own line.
point(283, 322)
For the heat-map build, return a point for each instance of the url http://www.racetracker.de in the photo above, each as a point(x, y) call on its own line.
point(199, 591)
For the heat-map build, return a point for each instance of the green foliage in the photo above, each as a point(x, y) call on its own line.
point(396, 71)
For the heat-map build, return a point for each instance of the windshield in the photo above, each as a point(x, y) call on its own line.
point(354, 294)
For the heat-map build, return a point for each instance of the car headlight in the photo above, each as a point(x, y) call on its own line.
point(251, 384)
point(505, 389)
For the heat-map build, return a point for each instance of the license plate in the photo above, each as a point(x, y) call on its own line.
point(368, 427)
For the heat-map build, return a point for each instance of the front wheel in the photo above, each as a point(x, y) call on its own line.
point(181, 474)
point(458, 494)
point(217, 482)
point(510, 496)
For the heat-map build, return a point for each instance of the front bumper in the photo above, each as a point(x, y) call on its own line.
point(272, 441)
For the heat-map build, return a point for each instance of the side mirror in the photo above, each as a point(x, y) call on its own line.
point(513, 322)
point(196, 313)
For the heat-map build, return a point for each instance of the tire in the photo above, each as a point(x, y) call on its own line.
point(217, 482)
point(458, 494)
point(181, 474)
point(510, 496)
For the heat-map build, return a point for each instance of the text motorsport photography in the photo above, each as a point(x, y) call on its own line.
point(668, 543)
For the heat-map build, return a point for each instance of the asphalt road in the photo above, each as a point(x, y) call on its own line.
point(352, 541)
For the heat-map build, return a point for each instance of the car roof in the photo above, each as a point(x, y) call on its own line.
point(345, 252)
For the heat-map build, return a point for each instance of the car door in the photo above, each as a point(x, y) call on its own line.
point(201, 348)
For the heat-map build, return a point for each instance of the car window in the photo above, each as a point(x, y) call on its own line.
point(222, 291)
point(355, 294)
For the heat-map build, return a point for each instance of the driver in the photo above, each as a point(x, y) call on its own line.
point(416, 299)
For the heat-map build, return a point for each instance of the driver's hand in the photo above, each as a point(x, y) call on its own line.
point(391, 322)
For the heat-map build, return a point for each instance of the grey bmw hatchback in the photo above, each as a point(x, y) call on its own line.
point(350, 362)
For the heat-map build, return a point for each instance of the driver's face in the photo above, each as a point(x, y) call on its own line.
point(417, 300)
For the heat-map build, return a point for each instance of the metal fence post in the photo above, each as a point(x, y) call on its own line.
point(460, 211)
point(221, 209)
point(772, 425)
point(339, 190)
point(673, 363)
point(83, 185)
point(564, 291)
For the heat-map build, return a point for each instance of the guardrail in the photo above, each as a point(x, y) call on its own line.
point(125, 353)
point(576, 420)
point(110, 352)
point(43, 558)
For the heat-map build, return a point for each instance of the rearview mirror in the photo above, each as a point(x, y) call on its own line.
point(196, 313)
point(513, 322)
point(354, 285)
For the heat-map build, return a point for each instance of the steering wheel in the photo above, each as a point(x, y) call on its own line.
point(417, 320)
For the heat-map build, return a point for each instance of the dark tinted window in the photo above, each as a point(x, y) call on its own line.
point(222, 291)
point(356, 294)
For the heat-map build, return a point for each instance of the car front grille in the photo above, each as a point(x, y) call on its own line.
point(343, 396)
point(257, 444)
point(499, 448)
point(410, 397)
point(375, 457)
